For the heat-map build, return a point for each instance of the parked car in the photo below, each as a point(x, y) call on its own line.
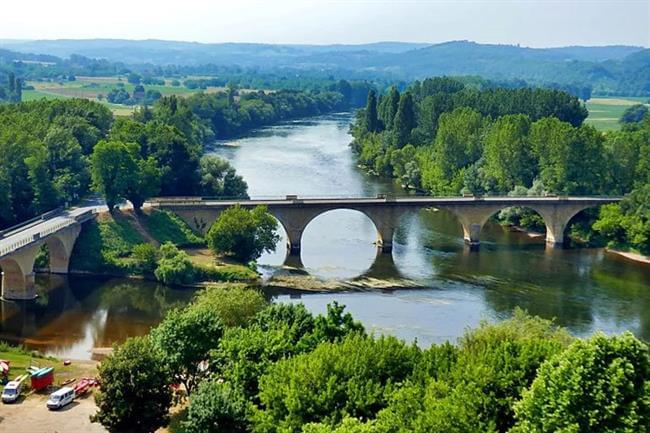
point(60, 398)
point(12, 391)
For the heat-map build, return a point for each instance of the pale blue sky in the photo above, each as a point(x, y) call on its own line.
point(537, 23)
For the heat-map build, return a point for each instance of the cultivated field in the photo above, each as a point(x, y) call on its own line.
point(604, 112)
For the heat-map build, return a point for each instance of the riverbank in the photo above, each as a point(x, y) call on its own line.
point(629, 255)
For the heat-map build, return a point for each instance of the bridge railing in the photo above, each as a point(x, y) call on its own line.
point(26, 240)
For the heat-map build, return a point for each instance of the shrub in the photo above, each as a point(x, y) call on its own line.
point(145, 258)
point(174, 266)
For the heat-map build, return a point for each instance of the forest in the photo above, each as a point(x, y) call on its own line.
point(444, 138)
point(248, 365)
point(56, 152)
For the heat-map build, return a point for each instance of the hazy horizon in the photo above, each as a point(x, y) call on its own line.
point(534, 24)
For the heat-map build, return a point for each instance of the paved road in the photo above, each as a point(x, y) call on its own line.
point(24, 235)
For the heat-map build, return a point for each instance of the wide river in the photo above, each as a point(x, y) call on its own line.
point(434, 287)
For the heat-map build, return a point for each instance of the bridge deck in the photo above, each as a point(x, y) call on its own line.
point(33, 232)
point(401, 201)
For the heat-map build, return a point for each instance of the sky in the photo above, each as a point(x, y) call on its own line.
point(533, 23)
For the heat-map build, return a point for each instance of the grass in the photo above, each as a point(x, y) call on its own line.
point(20, 359)
point(106, 245)
point(167, 227)
point(605, 112)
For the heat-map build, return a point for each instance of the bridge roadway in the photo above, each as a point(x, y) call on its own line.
point(20, 245)
point(294, 213)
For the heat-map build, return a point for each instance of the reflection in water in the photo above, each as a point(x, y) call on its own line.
point(73, 315)
point(586, 290)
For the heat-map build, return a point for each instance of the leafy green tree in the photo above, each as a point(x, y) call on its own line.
point(185, 337)
point(216, 407)
point(371, 122)
point(235, 306)
point(243, 234)
point(112, 170)
point(597, 385)
point(144, 184)
point(45, 195)
point(387, 108)
point(404, 120)
point(219, 178)
point(134, 78)
point(135, 395)
point(634, 114)
point(325, 386)
point(508, 158)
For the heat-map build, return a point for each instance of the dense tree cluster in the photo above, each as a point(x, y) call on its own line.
point(255, 367)
point(446, 139)
point(140, 96)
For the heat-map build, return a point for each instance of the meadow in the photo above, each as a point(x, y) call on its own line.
point(604, 112)
point(92, 87)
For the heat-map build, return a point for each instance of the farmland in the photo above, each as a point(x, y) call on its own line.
point(604, 112)
point(96, 88)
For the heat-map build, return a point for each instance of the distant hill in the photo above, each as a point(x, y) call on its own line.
point(616, 69)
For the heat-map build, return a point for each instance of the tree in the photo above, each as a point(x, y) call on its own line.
point(216, 407)
point(508, 158)
point(243, 234)
point(135, 395)
point(219, 178)
point(404, 120)
point(634, 114)
point(598, 385)
point(388, 107)
point(144, 184)
point(184, 338)
point(134, 78)
point(112, 170)
point(371, 122)
point(235, 306)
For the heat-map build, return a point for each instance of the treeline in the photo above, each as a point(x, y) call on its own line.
point(54, 152)
point(223, 115)
point(446, 139)
point(248, 366)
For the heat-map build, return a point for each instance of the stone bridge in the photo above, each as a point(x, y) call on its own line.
point(295, 213)
point(20, 245)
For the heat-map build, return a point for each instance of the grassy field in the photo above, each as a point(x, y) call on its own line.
point(604, 112)
point(21, 359)
point(92, 87)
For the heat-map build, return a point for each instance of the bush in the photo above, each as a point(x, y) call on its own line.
point(596, 386)
point(216, 407)
point(235, 306)
point(145, 258)
point(243, 234)
point(174, 266)
point(135, 395)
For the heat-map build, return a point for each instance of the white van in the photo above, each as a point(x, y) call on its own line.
point(12, 390)
point(60, 398)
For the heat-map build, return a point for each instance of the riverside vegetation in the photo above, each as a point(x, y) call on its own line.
point(445, 138)
point(250, 366)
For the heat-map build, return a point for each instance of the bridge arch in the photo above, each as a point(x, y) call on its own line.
point(18, 275)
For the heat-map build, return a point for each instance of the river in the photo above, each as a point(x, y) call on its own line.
point(434, 287)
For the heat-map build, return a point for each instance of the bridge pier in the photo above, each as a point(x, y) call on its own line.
point(18, 274)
